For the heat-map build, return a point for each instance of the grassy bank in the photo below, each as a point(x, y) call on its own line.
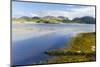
point(81, 48)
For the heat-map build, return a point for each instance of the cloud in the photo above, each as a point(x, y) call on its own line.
point(78, 12)
point(32, 14)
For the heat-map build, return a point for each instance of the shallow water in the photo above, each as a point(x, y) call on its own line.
point(28, 47)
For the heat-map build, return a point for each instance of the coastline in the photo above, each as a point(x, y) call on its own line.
point(75, 53)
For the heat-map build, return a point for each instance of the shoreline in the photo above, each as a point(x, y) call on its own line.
point(44, 23)
point(79, 55)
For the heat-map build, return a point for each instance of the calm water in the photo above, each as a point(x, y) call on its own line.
point(28, 47)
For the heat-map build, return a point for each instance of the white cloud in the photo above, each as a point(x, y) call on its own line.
point(79, 12)
point(32, 14)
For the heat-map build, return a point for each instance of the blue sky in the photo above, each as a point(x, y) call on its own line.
point(42, 9)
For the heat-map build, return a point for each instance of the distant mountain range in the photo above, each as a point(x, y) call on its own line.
point(59, 19)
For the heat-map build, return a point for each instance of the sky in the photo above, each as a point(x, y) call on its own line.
point(32, 9)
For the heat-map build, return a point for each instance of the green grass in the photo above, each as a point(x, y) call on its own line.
point(83, 42)
point(40, 20)
point(69, 59)
point(80, 49)
point(22, 20)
